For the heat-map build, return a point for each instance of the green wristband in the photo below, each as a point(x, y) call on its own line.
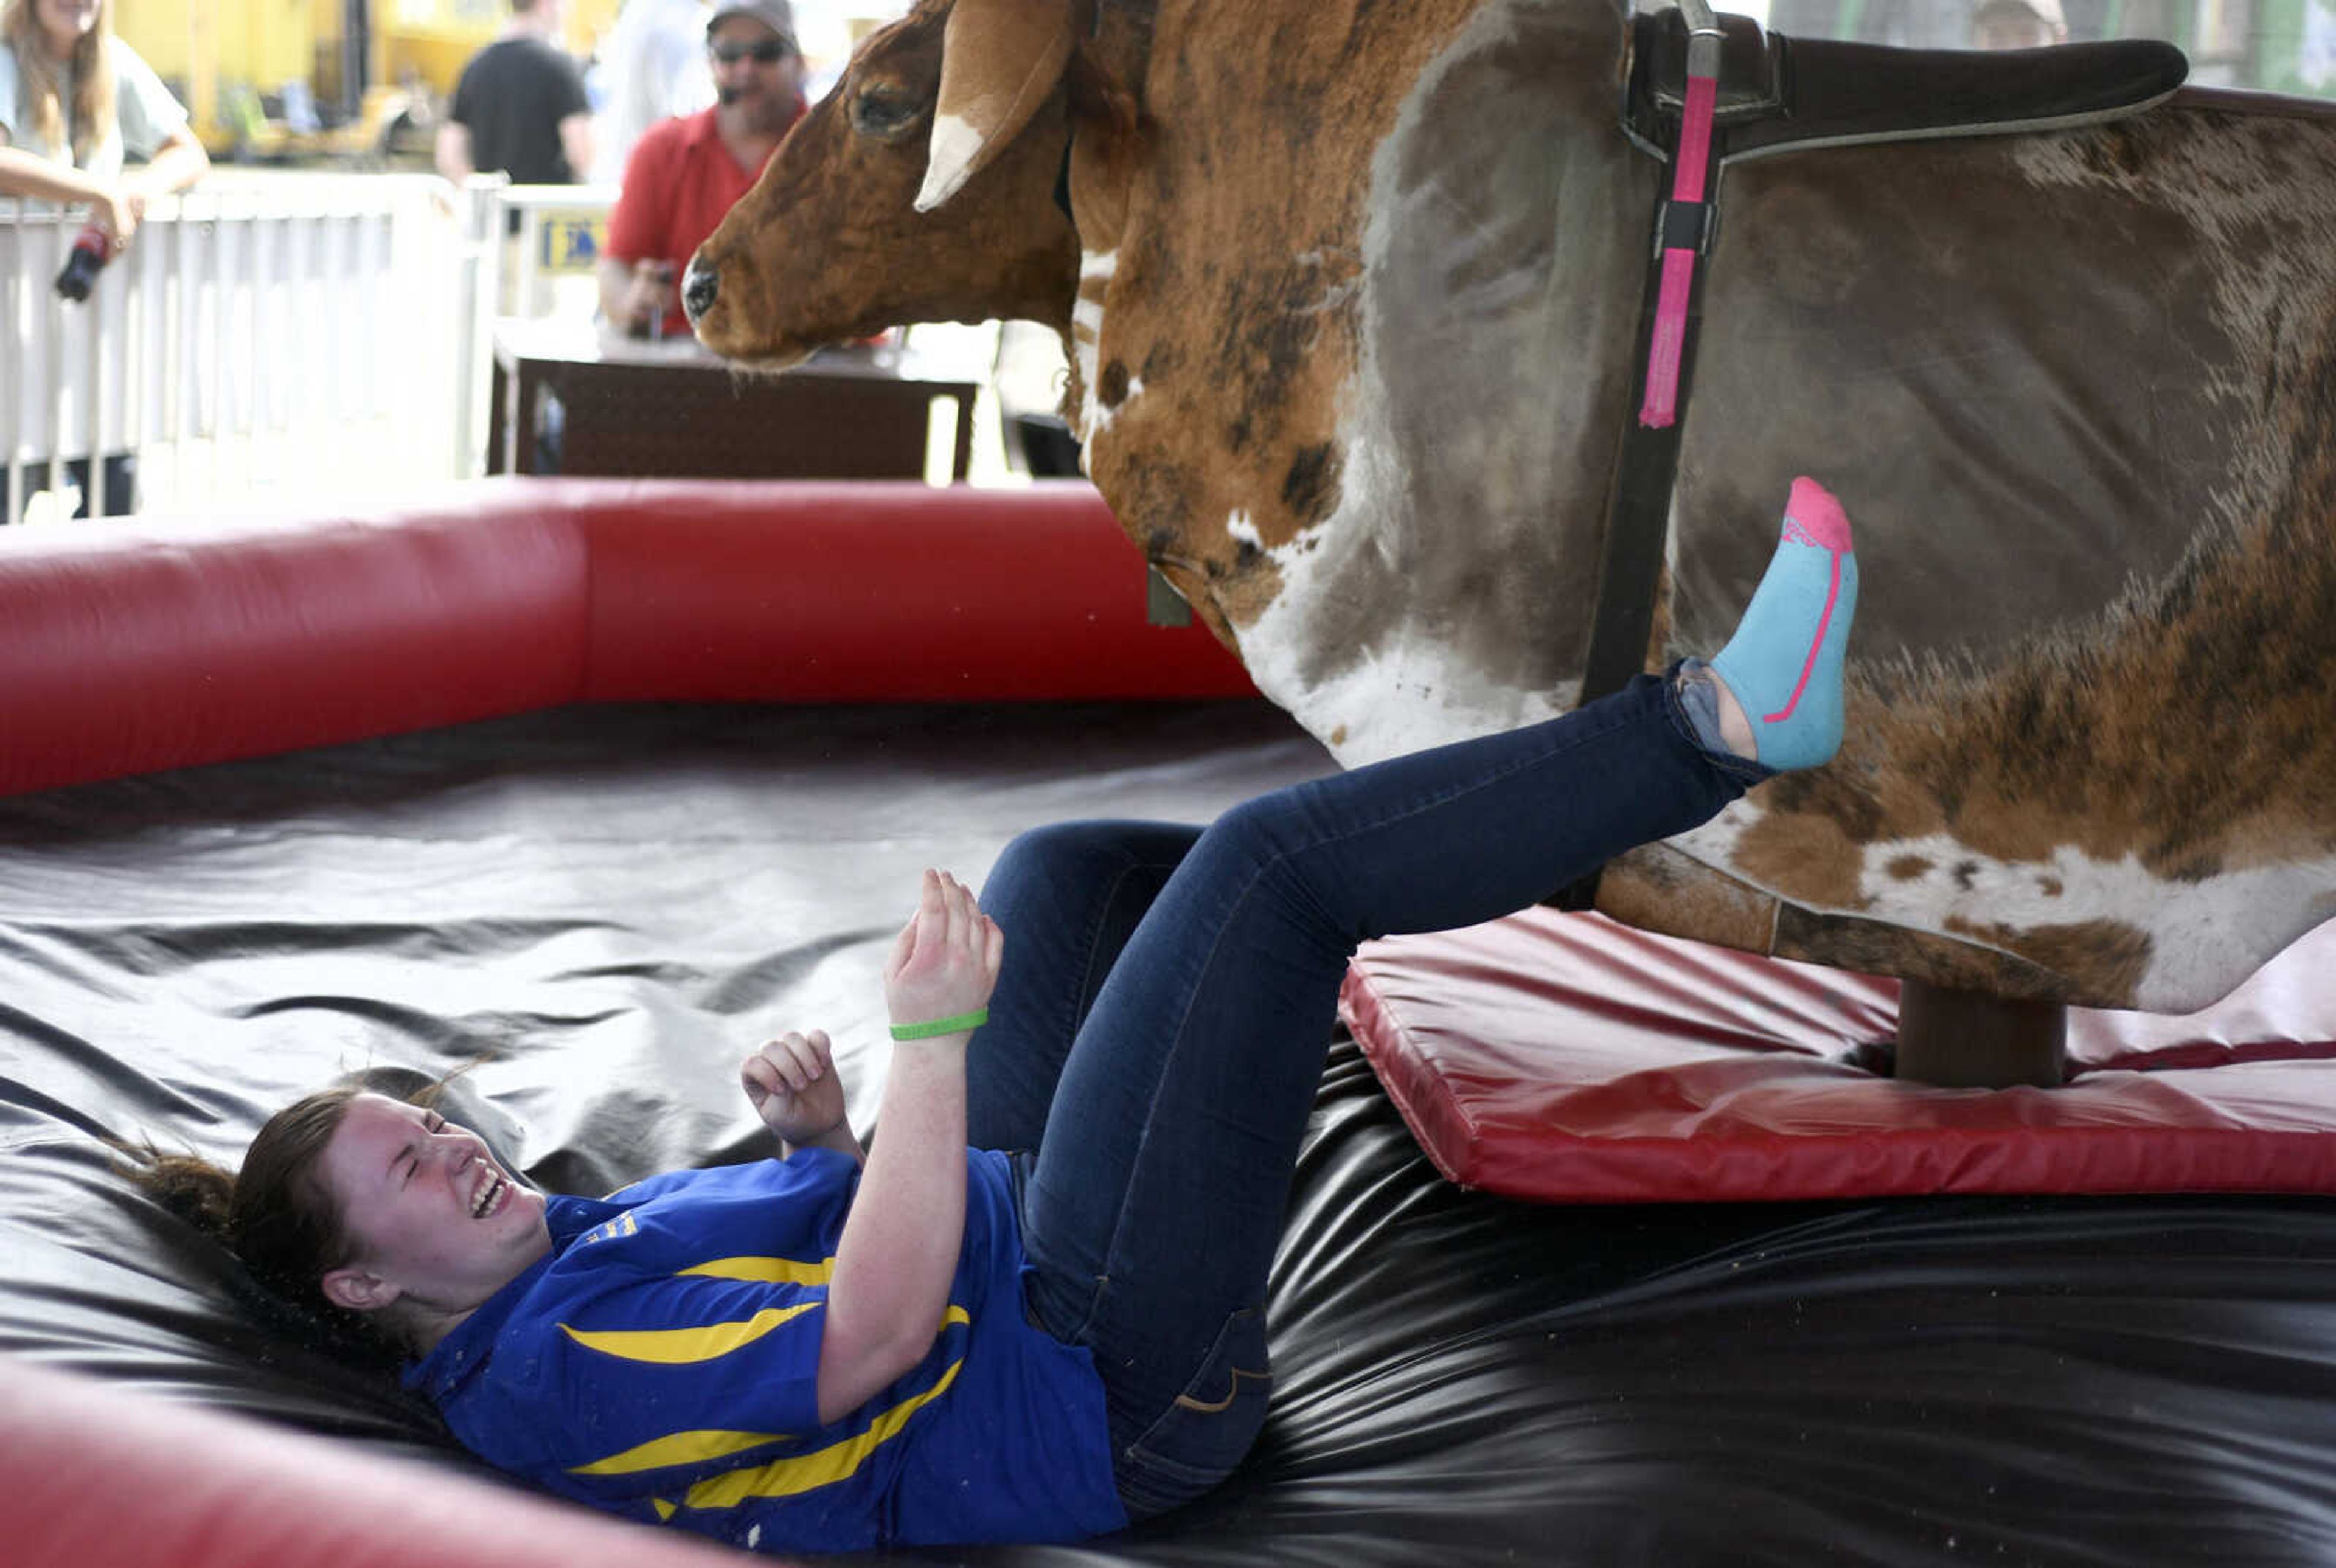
point(955, 1026)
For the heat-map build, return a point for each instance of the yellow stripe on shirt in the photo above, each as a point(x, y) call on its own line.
point(677, 1448)
point(824, 1467)
point(679, 1347)
point(766, 1271)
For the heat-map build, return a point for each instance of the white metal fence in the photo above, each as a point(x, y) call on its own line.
point(280, 333)
point(301, 336)
point(255, 335)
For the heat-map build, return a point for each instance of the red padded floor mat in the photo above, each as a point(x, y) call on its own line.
point(1565, 1058)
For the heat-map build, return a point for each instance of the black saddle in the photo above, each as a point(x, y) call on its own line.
point(1777, 93)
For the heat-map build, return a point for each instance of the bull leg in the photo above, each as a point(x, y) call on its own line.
point(1971, 1040)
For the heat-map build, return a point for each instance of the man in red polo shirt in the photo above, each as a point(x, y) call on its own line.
point(685, 175)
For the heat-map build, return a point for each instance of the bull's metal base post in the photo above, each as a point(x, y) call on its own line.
point(1968, 1040)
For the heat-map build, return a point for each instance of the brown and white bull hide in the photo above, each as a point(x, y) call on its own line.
point(1350, 302)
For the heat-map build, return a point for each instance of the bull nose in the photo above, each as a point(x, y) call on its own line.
point(699, 287)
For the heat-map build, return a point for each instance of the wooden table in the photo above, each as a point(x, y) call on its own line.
point(671, 409)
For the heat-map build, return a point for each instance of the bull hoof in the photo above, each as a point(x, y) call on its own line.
point(1971, 1040)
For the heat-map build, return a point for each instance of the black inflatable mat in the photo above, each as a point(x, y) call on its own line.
point(600, 908)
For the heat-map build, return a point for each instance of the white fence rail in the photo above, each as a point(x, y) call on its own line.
point(279, 333)
point(296, 335)
point(257, 334)
point(529, 245)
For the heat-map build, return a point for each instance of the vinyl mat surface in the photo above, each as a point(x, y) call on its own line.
point(602, 908)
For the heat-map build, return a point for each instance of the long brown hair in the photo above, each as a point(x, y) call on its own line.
point(276, 1214)
point(40, 92)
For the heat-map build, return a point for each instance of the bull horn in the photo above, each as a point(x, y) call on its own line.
point(1000, 59)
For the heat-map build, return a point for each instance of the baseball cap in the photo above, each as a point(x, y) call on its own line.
point(776, 14)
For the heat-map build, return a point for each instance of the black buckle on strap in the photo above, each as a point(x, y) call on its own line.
point(1684, 226)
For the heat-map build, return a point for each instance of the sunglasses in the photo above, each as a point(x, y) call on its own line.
point(769, 51)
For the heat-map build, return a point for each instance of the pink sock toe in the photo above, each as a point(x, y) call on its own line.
point(1817, 514)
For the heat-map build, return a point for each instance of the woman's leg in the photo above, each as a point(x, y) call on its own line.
point(1069, 896)
point(1153, 1211)
point(1155, 1205)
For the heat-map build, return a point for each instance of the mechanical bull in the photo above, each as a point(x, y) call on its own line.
point(1351, 294)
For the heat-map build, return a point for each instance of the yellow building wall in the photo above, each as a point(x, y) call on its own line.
point(160, 31)
point(262, 44)
point(431, 41)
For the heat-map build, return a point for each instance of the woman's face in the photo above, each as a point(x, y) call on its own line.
point(435, 1222)
point(65, 22)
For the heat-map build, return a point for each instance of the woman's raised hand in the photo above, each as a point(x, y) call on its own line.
point(945, 963)
point(792, 1084)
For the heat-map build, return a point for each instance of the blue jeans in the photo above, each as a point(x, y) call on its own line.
point(1167, 1000)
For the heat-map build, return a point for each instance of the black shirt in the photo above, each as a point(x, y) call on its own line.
point(512, 96)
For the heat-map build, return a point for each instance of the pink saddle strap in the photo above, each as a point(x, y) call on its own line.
point(1681, 240)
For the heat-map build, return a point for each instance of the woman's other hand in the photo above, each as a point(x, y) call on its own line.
point(792, 1084)
point(945, 963)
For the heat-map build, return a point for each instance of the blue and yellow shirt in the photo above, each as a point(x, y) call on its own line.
point(661, 1361)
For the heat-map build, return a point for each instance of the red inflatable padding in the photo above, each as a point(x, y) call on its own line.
point(129, 646)
point(864, 592)
point(1565, 1058)
point(93, 1475)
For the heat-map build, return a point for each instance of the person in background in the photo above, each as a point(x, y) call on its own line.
point(2018, 24)
point(685, 175)
point(653, 71)
point(519, 107)
point(77, 105)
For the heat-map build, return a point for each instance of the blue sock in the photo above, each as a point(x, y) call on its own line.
point(1783, 663)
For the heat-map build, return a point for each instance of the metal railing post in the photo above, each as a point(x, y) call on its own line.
point(13, 493)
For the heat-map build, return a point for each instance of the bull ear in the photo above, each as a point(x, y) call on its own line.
point(1000, 59)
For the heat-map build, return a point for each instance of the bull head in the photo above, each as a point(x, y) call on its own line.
point(921, 189)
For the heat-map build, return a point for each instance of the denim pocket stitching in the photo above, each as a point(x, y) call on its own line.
point(1218, 1363)
point(1186, 1401)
